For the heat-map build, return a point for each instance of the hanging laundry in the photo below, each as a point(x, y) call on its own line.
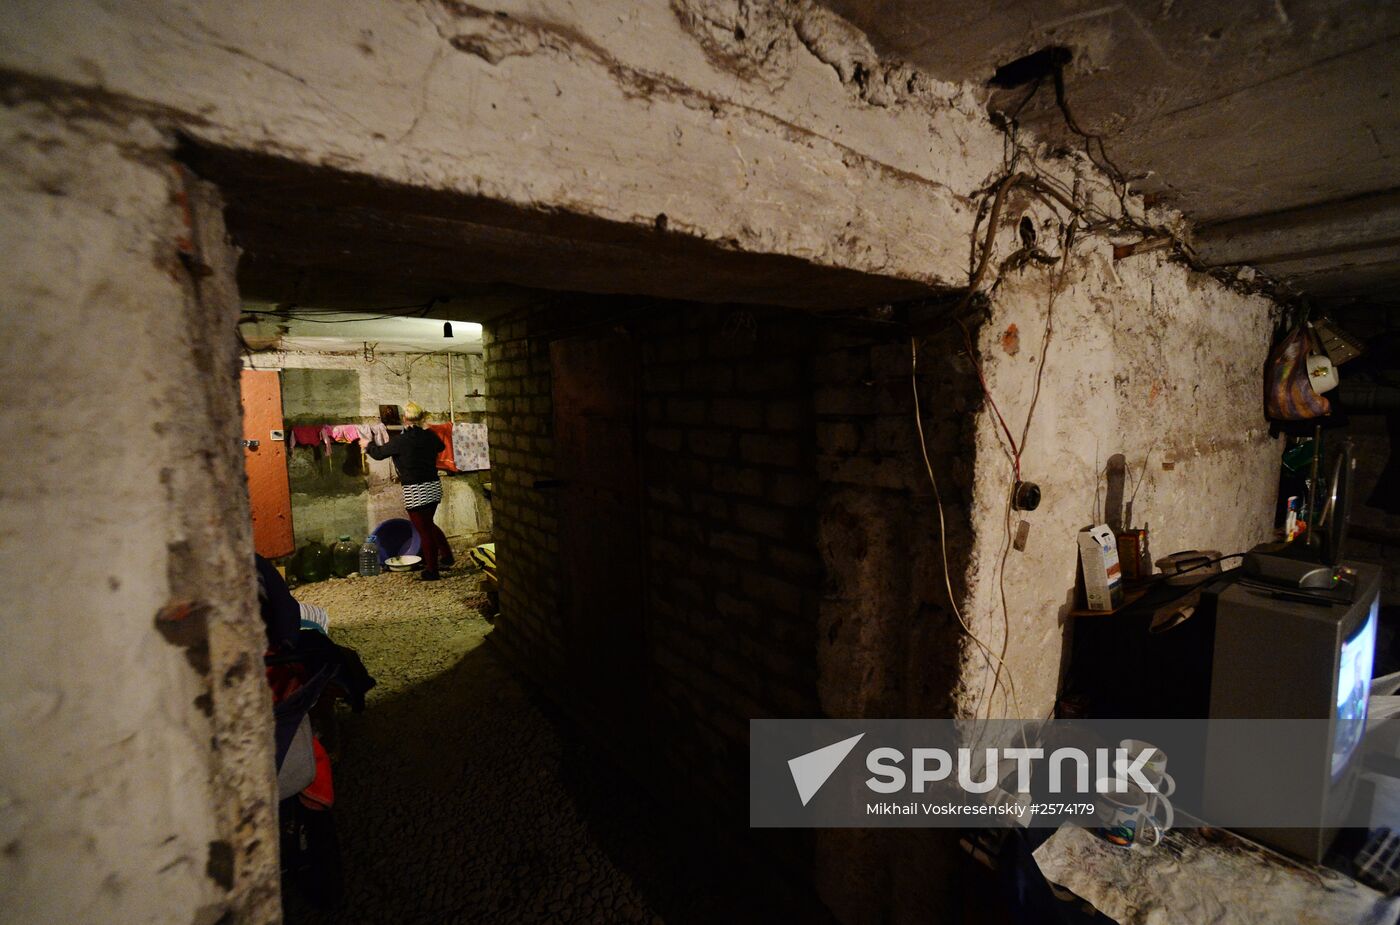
point(345, 433)
point(376, 433)
point(305, 435)
point(444, 460)
point(327, 435)
point(469, 450)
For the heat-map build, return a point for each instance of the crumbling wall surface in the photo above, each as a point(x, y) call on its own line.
point(1147, 359)
point(888, 641)
point(326, 501)
point(767, 127)
point(136, 776)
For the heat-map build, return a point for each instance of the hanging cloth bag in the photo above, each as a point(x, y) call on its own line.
point(1288, 391)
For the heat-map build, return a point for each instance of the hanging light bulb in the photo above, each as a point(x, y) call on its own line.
point(447, 329)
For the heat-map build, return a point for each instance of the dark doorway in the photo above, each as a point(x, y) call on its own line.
point(595, 437)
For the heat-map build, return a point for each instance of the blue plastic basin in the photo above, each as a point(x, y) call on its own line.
point(397, 538)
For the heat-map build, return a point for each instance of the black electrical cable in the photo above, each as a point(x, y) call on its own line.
point(419, 310)
point(1062, 101)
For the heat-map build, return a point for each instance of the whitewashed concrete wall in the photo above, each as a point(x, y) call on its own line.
point(135, 725)
point(1146, 359)
point(792, 140)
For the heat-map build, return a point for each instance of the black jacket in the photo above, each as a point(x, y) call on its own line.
point(415, 451)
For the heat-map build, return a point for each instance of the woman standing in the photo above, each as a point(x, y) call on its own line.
point(415, 450)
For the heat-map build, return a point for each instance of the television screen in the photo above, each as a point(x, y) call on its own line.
point(1354, 689)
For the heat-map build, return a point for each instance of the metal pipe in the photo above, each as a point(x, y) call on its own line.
point(1368, 397)
point(451, 396)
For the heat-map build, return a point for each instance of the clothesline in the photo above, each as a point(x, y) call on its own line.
point(465, 443)
point(326, 434)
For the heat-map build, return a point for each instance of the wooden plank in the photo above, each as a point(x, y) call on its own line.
point(269, 488)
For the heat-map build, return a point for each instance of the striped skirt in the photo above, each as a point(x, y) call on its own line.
point(422, 494)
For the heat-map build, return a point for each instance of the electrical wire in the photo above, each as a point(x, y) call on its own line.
point(987, 652)
point(1065, 251)
point(1012, 451)
point(419, 310)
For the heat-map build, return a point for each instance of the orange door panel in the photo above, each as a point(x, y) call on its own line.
point(265, 458)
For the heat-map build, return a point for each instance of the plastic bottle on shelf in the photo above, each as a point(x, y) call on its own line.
point(369, 557)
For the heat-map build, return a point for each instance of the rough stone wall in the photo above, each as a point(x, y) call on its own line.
point(888, 640)
point(326, 502)
point(135, 725)
point(1146, 359)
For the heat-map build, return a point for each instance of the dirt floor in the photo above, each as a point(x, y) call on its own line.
point(458, 799)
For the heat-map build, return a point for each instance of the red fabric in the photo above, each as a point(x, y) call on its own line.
point(306, 434)
point(432, 540)
point(286, 679)
point(321, 793)
point(445, 461)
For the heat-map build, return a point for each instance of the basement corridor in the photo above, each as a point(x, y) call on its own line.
point(459, 799)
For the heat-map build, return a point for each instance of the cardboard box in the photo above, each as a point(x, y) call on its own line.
point(1103, 577)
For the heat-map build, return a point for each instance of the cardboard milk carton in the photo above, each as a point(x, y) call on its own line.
point(1103, 579)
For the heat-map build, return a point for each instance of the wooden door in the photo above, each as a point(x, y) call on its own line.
point(265, 459)
point(600, 534)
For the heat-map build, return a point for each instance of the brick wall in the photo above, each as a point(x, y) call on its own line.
point(792, 556)
point(793, 566)
point(518, 419)
point(730, 508)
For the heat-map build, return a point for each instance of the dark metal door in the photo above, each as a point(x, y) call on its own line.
point(600, 531)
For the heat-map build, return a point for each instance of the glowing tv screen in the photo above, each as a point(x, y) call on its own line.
point(1354, 689)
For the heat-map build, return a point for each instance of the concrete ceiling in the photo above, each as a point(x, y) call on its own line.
point(1273, 124)
point(274, 327)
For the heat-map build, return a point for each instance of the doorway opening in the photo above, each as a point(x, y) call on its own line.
point(653, 503)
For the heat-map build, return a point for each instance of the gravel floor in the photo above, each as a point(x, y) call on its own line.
point(457, 799)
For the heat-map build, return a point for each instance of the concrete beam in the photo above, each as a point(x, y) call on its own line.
point(305, 231)
point(785, 137)
point(1326, 230)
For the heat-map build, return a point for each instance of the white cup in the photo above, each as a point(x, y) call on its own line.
point(1321, 373)
point(1160, 786)
point(1154, 771)
point(1124, 819)
point(1134, 747)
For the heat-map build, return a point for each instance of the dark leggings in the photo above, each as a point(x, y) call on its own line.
point(431, 538)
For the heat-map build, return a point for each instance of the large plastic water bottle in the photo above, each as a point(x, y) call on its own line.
point(369, 556)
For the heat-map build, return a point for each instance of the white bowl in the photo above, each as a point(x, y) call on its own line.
point(403, 563)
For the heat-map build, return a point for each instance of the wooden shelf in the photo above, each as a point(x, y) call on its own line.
point(1131, 595)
